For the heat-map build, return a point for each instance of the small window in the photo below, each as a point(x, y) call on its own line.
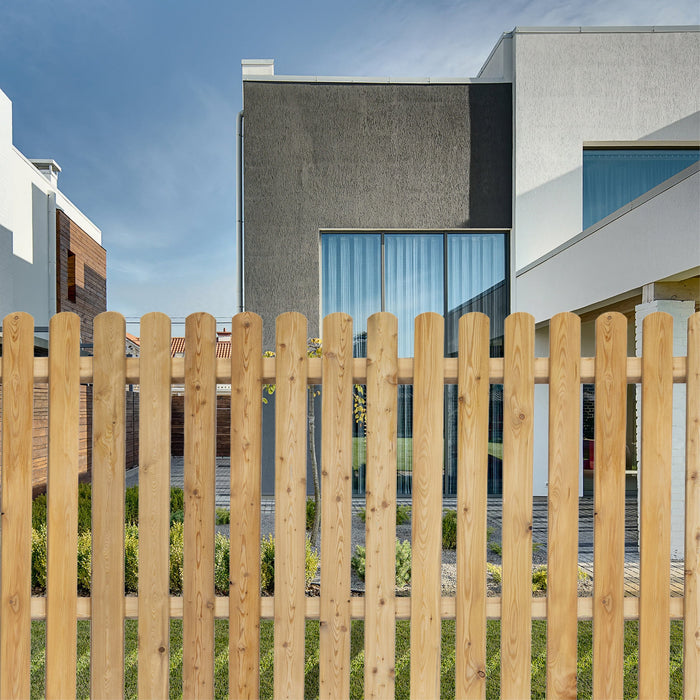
point(71, 277)
point(613, 177)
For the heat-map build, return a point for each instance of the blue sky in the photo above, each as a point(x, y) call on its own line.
point(137, 101)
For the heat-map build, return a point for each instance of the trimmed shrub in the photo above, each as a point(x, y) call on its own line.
point(131, 559)
point(39, 555)
point(84, 562)
point(84, 507)
point(449, 530)
point(177, 500)
point(223, 516)
point(496, 548)
point(310, 513)
point(177, 537)
point(403, 562)
point(221, 564)
point(177, 516)
point(267, 564)
point(39, 511)
point(495, 571)
point(131, 505)
point(403, 514)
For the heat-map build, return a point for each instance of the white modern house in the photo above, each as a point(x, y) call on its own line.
point(564, 177)
point(606, 193)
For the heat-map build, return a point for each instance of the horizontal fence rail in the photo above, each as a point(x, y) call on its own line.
point(334, 370)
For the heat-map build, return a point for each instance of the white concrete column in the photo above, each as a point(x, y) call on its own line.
point(681, 312)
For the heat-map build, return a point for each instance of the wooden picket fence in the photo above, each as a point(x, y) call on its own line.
point(291, 370)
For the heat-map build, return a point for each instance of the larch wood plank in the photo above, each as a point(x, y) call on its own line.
point(336, 507)
point(62, 506)
point(609, 504)
point(290, 505)
point(472, 488)
point(655, 496)
point(691, 622)
point(246, 453)
point(15, 575)
point(562, 549)
point(380, 521)
point(518, 414)
point(108, 454)
point(426, 536)
point(154, 507)
point(200, 490)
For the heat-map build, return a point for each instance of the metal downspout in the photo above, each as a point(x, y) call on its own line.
point(239, 213)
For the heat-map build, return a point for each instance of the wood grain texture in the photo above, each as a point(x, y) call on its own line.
point(107, 667)
point(609, 503)
point(518, 414)
point(154, 507)
point(15, 575)
point(62, 506)
point(404, 374)
point(691, 624)
point(246, 451)
point(562, 550)
point(200, 490)
point(472, 487)
point(380, 521)
point(426, 549)
point(290, 505)
point(336, 507)
point(655, 496)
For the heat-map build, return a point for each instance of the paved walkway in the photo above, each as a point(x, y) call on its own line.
point(494, 517)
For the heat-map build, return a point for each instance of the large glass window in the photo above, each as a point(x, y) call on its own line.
point(408, 273)
point(613, 177)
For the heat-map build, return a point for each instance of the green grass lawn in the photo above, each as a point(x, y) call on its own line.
point(357, 659)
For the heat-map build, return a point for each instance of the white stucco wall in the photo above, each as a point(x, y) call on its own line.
point(582, 86)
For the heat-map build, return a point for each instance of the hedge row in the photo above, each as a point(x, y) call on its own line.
point(131, 561)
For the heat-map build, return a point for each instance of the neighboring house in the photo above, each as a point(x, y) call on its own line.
point(51, 260)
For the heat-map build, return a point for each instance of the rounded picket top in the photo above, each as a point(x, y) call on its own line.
point(109, 327)
point(519, 318)
point(155, 318)
point(65, 325)
point(289, 327)
point(385, 324)
point(659, 321)
point(18, 322)
point(201, 324)
point(474, 325)
point(246, 320)
point(431, 326)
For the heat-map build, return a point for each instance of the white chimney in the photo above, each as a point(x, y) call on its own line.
point(257, 67)
point(48, 168)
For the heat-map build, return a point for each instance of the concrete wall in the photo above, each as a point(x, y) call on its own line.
point(324, 155)
point(581, 86)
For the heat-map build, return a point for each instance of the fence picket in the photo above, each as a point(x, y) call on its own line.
point(609, 505)
point(15, 575)
point(655, 496)
point(562, 526)
point(336, 502)
point(518, 409)
point(108, 455)
point(380, 521)
point(691, 626)
point(244, 561)
point(154, 507)
point(200, 490)
point(472, 487)
point(62, 506)
point(290, 505)
point(426, 556)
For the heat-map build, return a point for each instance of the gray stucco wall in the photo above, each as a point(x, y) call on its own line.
point(377, 156)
